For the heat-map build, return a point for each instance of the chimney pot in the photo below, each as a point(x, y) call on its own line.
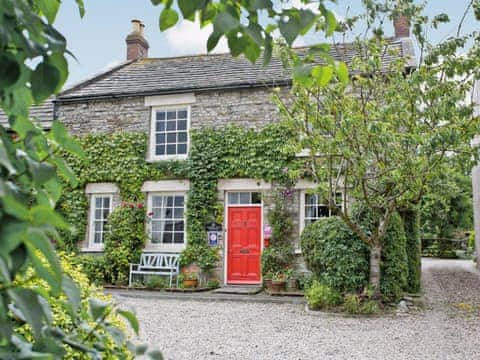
point(401, 23)
point(137, 45)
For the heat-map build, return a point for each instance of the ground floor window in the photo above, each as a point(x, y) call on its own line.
point(167, 214)
point(315, 207)
point(101, 207)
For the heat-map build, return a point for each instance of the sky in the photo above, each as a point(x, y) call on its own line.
point(98, 40)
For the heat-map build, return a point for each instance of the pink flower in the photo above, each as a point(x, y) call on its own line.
point(150, 213)
point(131, 206)
point(140, 205)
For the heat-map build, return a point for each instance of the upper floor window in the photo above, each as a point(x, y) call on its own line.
point(169, 138)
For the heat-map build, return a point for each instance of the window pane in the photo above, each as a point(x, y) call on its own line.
point(169, 201)
point(245, 198)
point(233, 198)
point(310, 212)
point(156, 201)
point(168, 213)
point(169, 225)
point(167, 237)
point(182, 125)
point(106, 212)
point(179, 226)
point(160, 150)
point(98, 214)
point(98, 226)
point(179, 200)
point(171, 138)
point(97, 238)
point(171, 115)
point(158, 226)
point(181, 148)
point(98, 202)
point(178, 238)
point(156, 237)
point(310, 199)
point(160, 139)
point(323, 211)
point(171, 149)
point(171, 125)
point(182, 114)
point(182, 137)
point(160, 115)
point(178, 213)
point(256, 198)
point(106, 202)
point(160, 126)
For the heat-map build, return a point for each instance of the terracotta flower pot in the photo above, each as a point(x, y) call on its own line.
point(190, 283)
point(268, 283)
point(278, 285)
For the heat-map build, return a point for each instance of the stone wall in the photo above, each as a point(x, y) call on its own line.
point(251, 108)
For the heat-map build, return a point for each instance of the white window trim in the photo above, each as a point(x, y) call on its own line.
point(92, 246)
point(166, 186)
point(170, 100)
point(151, 147)
point(303, 192)
point(173, 248)
point(242, 185)
point(101, 188)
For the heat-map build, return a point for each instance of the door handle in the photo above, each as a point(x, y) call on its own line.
point(245, 251)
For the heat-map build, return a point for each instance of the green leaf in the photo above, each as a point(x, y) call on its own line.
point(11, 233)
point(58, 60)
point(81, 7)
point(260, 4)
point(49, 8)
point(42, 215)
point(225, 22)
point(60, 135)
point(72, 292)
point(155, 355)
point(331, 23)
point(117, 335)
point(213, 41)
point(45, 79)
point(14, 207)
point(26, 301)
point(41, 171)
point(9, 70)
point(322, 74)
point(168, 18)
point(131, 318)
point(64, 170)
point(188, 8)
point(36, 241)
point(5, 159)
point(289, 30)
point(342, 72)
point(98, 308)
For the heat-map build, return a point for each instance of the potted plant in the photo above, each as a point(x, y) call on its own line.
point(190, 280)
point(278, 282)
point(292, 284)
point(267, 280)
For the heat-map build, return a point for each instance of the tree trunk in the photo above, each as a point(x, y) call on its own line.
point(375, 261)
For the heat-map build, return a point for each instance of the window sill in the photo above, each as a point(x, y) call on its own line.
point(166, 158)
point(164, 248)
point(92, 250)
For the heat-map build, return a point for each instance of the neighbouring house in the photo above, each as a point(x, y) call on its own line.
point(212, 114)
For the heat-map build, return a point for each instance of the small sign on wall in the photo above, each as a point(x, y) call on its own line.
point(214, 233)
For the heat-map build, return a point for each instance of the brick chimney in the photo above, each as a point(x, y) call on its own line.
point(137, 46)
point(401, 23)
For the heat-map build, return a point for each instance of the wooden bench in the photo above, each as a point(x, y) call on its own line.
point(156, 264)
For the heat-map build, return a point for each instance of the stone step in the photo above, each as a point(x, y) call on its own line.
point(239, 289)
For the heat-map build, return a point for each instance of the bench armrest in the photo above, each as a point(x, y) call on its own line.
point(134, 267)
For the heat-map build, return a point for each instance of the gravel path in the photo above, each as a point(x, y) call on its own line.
point(448, 329)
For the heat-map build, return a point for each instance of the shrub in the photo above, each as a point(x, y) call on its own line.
point(413, 249)
point(335, 255)
point(394, 261)
point(64, 320)
point(125, 241)
point(213, 284)
point(155, 282)
point(354, 304)
point(204, 256)
point(321, 296)
point(93, 267)
point(276, 258)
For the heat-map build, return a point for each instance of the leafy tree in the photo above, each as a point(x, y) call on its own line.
point(33, 67)
point(386, 134)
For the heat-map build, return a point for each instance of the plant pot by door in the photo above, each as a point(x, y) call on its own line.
point(278, 285)
point(190, 283)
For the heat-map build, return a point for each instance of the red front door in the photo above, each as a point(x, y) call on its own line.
point(244, 248)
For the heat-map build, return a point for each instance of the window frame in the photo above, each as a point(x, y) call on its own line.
point(303, 218)
point(91, 223)
point(152, 141)
point(175, 248)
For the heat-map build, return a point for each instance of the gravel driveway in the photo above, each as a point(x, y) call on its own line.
point(449, 328)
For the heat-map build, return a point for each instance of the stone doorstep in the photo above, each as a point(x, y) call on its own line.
point(238, 290)
point(207, 296)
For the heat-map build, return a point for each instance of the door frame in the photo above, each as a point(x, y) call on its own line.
point(225, 216)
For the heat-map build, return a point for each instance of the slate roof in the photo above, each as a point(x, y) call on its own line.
point(42, 113)
point(155, 76)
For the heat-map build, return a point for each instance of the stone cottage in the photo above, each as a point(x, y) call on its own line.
point(167, 99)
